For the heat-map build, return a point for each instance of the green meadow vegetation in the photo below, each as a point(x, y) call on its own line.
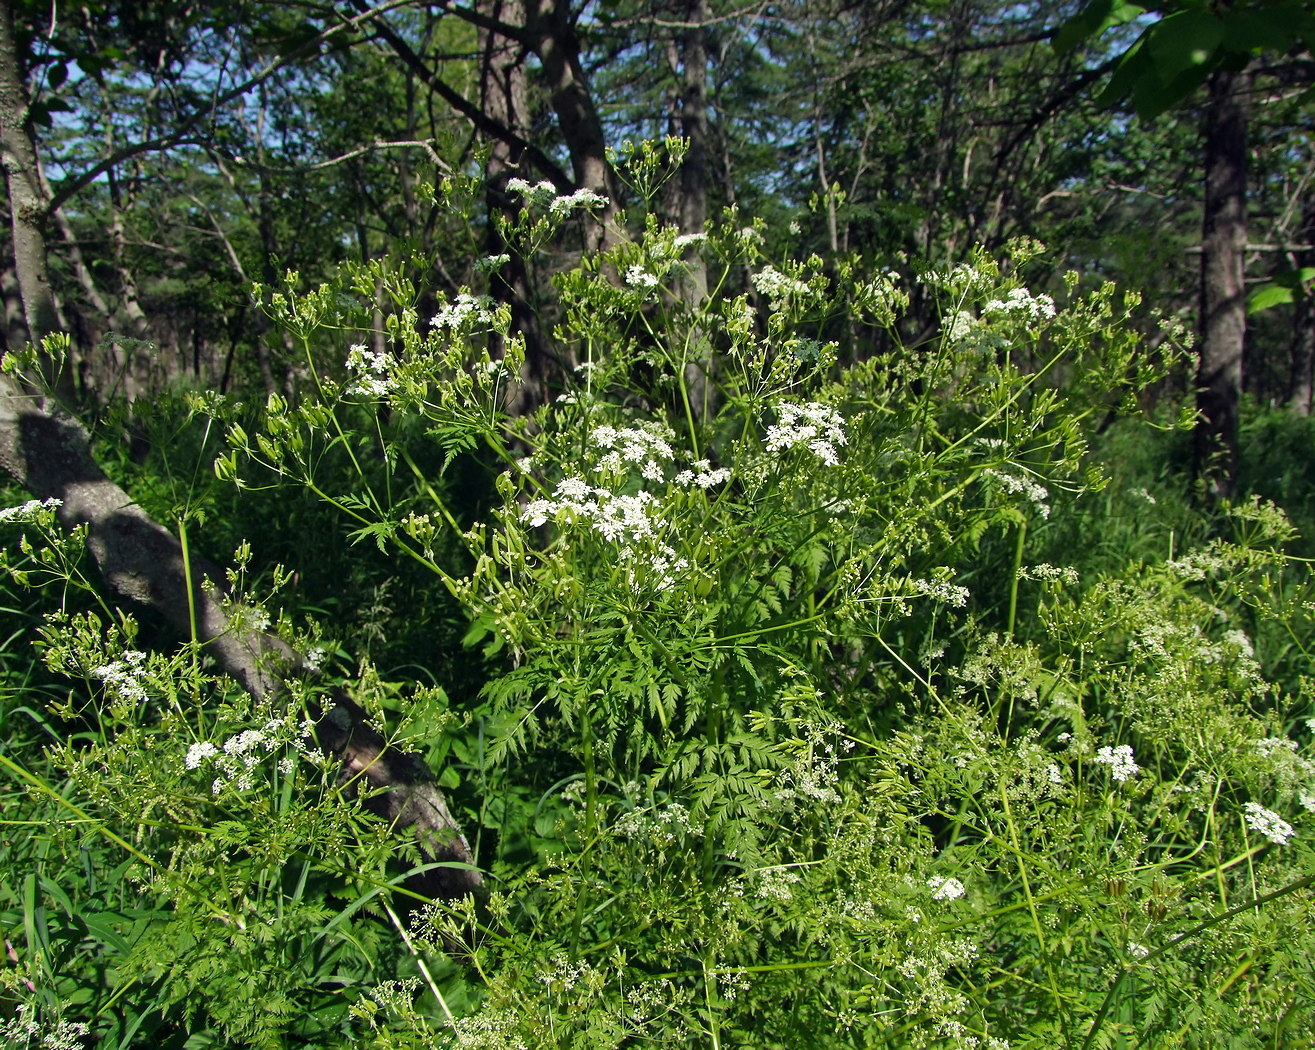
point(899, 702)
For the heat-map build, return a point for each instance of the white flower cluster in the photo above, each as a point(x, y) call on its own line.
point(1271, 744)
point(662, 827)
point(944, 888)
point(1120, 761)
point(647, 446)
point(539, 191)
point(815, 773)
point(961, 278)
point(22, 1030)
point(1268, 823)
point(703, 475)
point(1045, 571)
point(1239, 640)
point(778, 287)
point(621, 519)
point(28, 511)
point(1014, 485)
point(463, 311)
point(942, 590)
point(123, 676)
point(773, 884)
point(1200, 564)
point(960, 326)
point(817, 426)
point(546, 193)
point(1023, 303)
point(237, 758)
point(586, 199)
point(638, 277)
point(373, 370)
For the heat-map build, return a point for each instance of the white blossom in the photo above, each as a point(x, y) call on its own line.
point(942, 591)
point(1022, 303)
point(1120, 761)
point(123, 676)
point(373, 370)
point(1268, 823)
point(29, 510)
point(778, 287)
point(638, 277)
point(944, 888)
point(1014, 485)
point(562, 206)
point(198, 753)
point(818, 427)
point(465, 309)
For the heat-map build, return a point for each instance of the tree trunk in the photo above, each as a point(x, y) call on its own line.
point(554, 39)
point(504, 97)
point(27, 202)
point(1303, 322)
point(1223, 296)
point(693, 205)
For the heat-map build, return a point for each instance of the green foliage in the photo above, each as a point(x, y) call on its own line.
point(1185, 43)
point(824, 704)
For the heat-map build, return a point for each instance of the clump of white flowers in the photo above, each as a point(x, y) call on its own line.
point(464, 311)
point(374, 371)
point(778, 287)
point(1016, 485)
point(1047, 572)
point(1268, 823)
point(638, 277)
point(817, 427)
point(647, 445)
point(30, 510)
point(703, 475)
point(123, 676)
point(1120, 760)
point(942, 590)
point(583, 198)
point(236, 760)
point(545, 193)
point(944, 888)
point(1022, 303)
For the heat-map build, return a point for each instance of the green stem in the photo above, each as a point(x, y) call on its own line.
point(1013, 583)
point(1031, 907)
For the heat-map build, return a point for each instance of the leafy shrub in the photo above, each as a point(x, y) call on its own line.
point(793, 738)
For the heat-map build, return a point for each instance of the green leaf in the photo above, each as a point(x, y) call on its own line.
point(1184, 41)
point(1267, 295)
point(1092, 21)
point(1286, 287)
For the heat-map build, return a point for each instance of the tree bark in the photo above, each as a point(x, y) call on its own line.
point(693, 204)
point(1302, 355)
point(1222, 321)
point(553, 38)
point(27, 201)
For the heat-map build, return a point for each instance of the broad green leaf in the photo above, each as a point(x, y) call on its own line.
point(1093, 20)
point(1185, 40)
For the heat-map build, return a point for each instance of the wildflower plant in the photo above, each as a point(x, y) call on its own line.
point(804, 728)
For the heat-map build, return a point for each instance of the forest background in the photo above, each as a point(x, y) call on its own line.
point(735, 524)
